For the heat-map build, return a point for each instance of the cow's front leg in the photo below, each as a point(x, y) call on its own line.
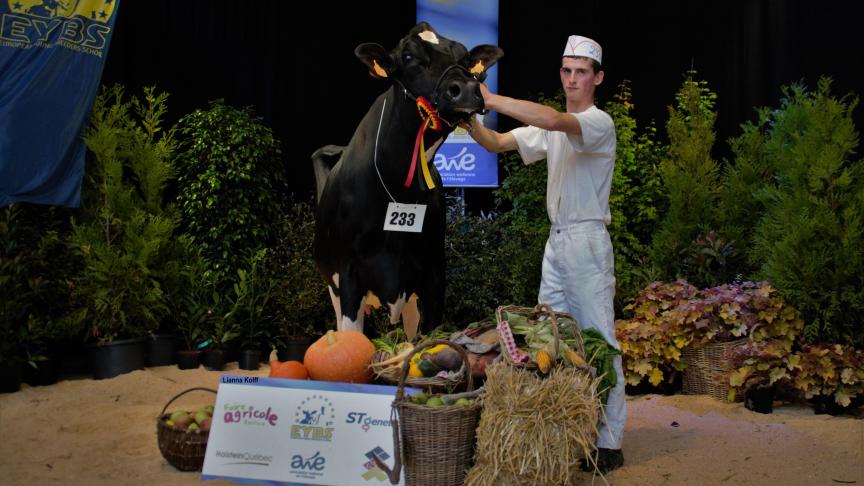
point(352, 303)
point(336, 301)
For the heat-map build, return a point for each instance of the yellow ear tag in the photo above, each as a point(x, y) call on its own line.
point(478, 68)
point(378, 69)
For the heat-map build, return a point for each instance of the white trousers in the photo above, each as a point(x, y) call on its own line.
point(579, 278)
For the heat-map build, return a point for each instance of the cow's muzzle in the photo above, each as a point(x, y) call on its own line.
point(458, 96)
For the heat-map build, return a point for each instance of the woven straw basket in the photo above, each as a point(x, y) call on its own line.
point(436, 444)
point(708, 368)
point(181, 449)
point(391, 374)
point(539, 315)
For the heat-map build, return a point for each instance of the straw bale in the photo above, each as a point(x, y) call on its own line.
point(533, 430)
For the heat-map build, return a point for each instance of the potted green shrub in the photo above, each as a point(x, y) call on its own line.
point(251, 310)
point(123, 229)
point(192, 302)
point(651, 340)
point(34, 282)
point(221, 329)
point(831, 376)
point(672, 320)
point(759, 367)
point(15, 300)
point(299, 303)
point(230, 185)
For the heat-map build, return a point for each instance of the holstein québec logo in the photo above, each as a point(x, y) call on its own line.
point(314, 419)
point(80, 25)
point(241, 413)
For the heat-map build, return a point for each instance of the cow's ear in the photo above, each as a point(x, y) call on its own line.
point(378, 60)
point(483, 57)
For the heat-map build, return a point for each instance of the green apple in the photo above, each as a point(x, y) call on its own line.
point(201, 416)
point(181, 417)
point(193, 428)
point(208, 409)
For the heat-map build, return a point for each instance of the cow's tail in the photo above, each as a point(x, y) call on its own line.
point(323, 161)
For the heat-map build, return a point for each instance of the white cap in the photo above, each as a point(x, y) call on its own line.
point(583, 46)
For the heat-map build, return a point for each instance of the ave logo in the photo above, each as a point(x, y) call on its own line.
point(313, 463)
point(462, 161)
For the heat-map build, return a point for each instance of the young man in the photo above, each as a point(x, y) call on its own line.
point(578, 269)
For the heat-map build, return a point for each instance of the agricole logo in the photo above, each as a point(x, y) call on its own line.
point(249, 415)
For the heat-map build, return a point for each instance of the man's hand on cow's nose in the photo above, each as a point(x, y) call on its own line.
point(488, 97)
point(485, 92)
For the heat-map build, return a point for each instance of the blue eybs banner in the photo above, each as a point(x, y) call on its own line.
point(51, 57)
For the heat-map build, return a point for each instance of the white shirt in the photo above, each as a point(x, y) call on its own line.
point(580, 167)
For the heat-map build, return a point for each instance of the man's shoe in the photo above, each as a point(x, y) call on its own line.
point(606, 460)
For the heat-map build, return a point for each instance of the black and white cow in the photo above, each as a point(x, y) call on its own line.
point(363, 263)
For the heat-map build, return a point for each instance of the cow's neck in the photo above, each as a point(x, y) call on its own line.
point(398, 133)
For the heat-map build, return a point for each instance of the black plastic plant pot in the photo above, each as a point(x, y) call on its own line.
point(10, 376)
point(249, 359)
point(118, 357)
point(759, 399)
point(231, 352)
point(188, 359)
point(295, 348)
point(214, 359)
point(825, 404)
point(45, 372)
point(161, 349)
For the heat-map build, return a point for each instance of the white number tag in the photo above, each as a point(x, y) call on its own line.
point(404, 217)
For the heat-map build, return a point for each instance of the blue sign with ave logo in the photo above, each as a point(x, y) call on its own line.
point(461, 161)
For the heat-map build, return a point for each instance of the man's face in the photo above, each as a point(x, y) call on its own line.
point(579, 79)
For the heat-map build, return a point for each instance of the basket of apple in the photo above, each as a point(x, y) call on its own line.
point(182, 434)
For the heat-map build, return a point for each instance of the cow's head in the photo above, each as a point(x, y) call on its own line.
point(439, 69)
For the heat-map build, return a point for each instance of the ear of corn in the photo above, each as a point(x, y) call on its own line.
point(574, 359)
point(544, 361)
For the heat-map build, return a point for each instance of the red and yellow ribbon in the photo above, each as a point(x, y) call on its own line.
point(430, 120)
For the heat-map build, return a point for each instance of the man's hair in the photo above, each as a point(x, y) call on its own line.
point(594, 64)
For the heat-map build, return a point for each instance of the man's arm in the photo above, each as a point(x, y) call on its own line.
point(490, 139)
point(531, 113)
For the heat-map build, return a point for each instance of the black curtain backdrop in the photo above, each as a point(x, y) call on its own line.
point(294, 62)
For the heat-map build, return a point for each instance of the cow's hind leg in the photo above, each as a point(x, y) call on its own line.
point(410, 317)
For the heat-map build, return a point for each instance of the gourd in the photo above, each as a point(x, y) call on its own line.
point(294, 370)
point(340, 356)
point(423, 365)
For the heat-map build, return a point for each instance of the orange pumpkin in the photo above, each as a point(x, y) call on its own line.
point(288, 369)
point(340, 356)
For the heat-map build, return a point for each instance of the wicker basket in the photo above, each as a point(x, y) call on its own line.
point(182, 449)
point(436, 444)
point(391, 374)
point(536, 315)
point(707, 369)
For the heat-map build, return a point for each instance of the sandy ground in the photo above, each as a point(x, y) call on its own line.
point(103, 432)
